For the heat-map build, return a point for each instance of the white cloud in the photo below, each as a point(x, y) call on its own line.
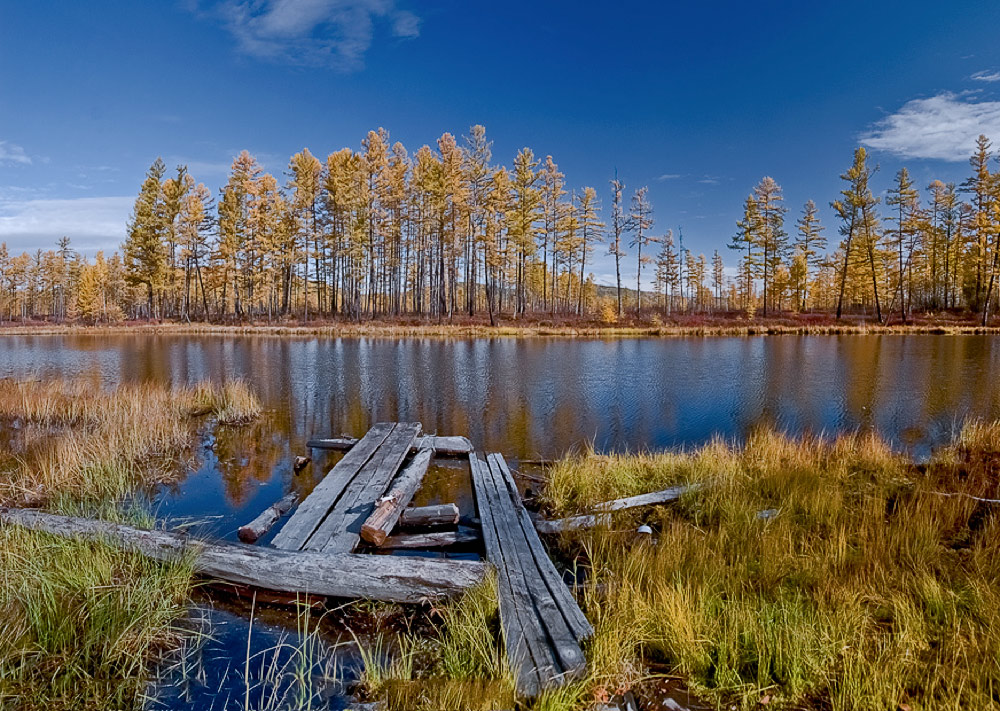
point(91, 223)
point(334, 33)
point(669, 176)
point(944, 127)
point(986, 76)
point(11, 153)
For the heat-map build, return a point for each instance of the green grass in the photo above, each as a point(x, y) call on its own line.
point(867, 590)
point(80, 623)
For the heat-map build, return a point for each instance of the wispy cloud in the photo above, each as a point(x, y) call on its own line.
point(669, 176)
point(709, 180)
point(92, 222)
point(11, 153)
point(944, 127)
point(986, 76)
point(334, 33)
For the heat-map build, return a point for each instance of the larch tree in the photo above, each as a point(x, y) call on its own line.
point(811, 244)
point(591, 232)
point(144, 249)
point(619, 225)
point(771, 235)
point(641, 222)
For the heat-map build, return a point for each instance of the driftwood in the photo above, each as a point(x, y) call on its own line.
point(386, 578)
point(574, 523)
point(436, 539)
point(388, 509)
point(436, 515)
point(257, 528)
point(442, 446)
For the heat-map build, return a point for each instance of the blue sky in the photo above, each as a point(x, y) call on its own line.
point(695, 100)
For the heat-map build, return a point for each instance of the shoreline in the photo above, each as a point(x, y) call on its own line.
point(388, 329)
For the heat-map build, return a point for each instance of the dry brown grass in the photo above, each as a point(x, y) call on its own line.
point(651, 326)
point(868, 589)
point(73, 439)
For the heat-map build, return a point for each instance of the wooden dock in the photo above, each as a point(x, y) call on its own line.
point(365, 496)
point(542, 623)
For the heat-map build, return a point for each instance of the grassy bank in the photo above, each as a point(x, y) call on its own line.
point(804, 574)
point(80, 622)
point(652, 326)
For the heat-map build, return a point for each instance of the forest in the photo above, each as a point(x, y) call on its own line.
point(378, 233)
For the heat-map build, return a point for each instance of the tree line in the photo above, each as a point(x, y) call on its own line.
point(376, 232)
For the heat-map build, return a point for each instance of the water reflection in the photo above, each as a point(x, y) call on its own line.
point(538, 398)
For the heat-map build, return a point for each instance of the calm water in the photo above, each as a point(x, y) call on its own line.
point(530, 398)
point(534, 398)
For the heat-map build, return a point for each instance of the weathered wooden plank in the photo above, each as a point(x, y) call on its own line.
point(390, 507)
point(311, 512)
point(573, 523)
point(562, 638)
point(252, 531)
point(442, 446)
point(387, 578)
point(341, 531)
point(435, 515)
point(527, 651)
point(561, 594)
point(435, 539)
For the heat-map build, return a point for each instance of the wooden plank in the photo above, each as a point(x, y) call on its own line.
point(387, 578)
point(311, 513)
point(341, 531)
point(267, 518)
point(560, 592)
point(573, 523)
point(436, 539)
point(390, 507)
point(527, 651)
point(569, 660)
point(436, 515)
point(442, 446)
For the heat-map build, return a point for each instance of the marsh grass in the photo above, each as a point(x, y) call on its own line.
point(82, 622)
point(72, 440)
point(868, 589)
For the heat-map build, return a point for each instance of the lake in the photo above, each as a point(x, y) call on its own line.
point(532, 398)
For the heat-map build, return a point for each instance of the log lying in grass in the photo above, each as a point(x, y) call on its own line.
point(342, 575)
point(436, 515)
point(574, 523)
point(257, 528)
point(389, 508)
point(442, 446)
point(436, 539)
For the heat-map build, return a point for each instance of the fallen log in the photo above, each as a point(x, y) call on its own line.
point(436, 515)
point(389, 508)
point(340, 575)
point(442, 446)
point(574, 523)
point(436, 539)
point(257, 528)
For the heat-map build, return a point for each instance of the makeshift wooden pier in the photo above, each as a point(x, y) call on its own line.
point(325, 547)
point(542, 624)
